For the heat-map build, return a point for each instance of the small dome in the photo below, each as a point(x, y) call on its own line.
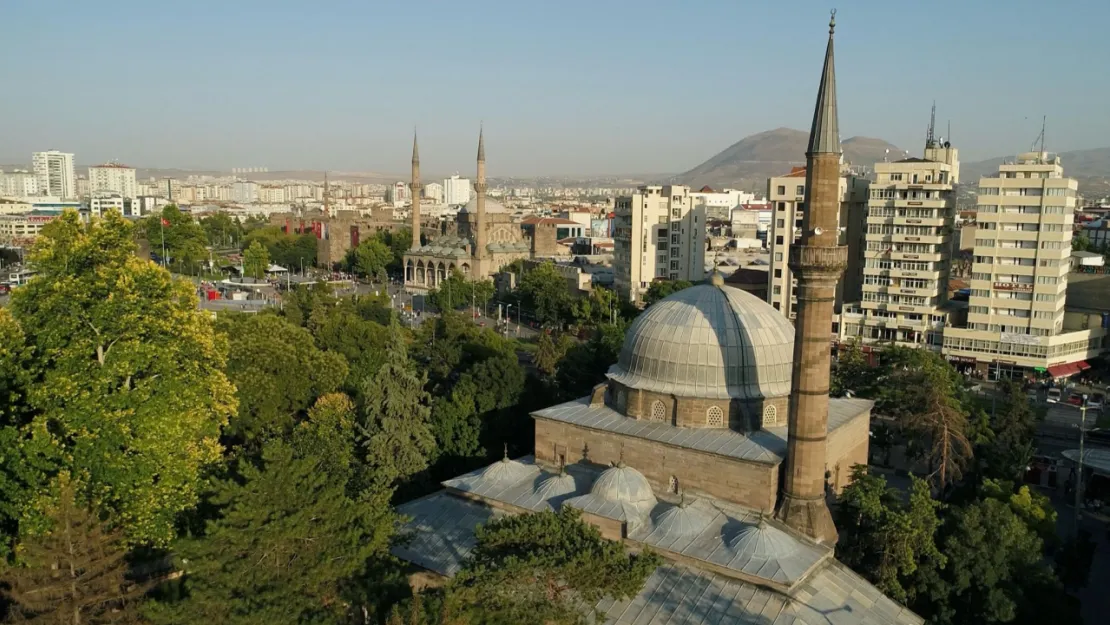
point(623, 484)
point(708, 341)
point(491, 206)
point(761, 540)
point(507, 471)
point(556, 486)
point(682, 520)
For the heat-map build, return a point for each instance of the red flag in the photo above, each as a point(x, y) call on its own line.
point(165, 222)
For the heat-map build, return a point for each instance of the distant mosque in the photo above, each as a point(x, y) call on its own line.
point(713, 442)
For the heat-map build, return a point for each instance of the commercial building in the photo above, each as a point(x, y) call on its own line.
point(787, 197)
point(18, 183)
point(1017, 324)
point(113, 178)
point(456, 191)
point(22, 230)
point(907, 252)
point(658, 234)
point(55, 173)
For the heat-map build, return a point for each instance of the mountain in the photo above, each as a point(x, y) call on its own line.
point(748, 163)
point(1090, 167)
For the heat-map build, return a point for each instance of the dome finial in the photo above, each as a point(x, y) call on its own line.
point(620, 458)
point(717, 279)
point(506, 456)
point(832, 21)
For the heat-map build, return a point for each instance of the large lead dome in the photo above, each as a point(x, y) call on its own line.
point(708, 341)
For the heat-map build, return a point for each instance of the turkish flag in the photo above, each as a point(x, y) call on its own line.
point(165, 222)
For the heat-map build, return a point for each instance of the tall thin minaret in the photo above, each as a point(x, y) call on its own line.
point(415, 187)
point(817, 262)
point(327, 198)
point(480, 201)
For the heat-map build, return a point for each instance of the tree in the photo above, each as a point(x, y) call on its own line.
point(660, 289)
point(292, 532)
point(585, 364)
point(221, 229)
point(343, 329)
point(547, 567)
point(852, 372)
point(369, 259)
point(399, 243)
point(185, 240)
point(545, 293)
point(75, 571)
point(451, 293)
point(395, 417)
point(601, 306)
point(885, 538)
point(128, 393)
point(288, 249)
point(256, 260)
point(278, 372)
point(550, 352)
point(1012, 428)
point(1081, 244)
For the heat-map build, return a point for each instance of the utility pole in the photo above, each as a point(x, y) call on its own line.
point(1079, 462)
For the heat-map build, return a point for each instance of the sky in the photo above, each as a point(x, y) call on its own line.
point(562, 88)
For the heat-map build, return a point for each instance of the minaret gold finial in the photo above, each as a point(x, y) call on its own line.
point(832, 21)
point(506, 457)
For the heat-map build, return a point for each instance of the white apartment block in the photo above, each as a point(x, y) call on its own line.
point(434, 191)
point(113, 178)
point(1016, 322)
point(658, 234)
point(55, 173)
point(787, 197)
point(18, 184)
point(244, 192)
point(719, 204)
point(456, 191)
point(907, 252)
point(398, 194)
point(102, 203)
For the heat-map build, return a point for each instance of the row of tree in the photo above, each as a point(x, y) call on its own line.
point(968, 543)
point(161, 467)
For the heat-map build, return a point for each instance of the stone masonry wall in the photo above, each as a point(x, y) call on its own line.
point(747, 483)
point(847, 446)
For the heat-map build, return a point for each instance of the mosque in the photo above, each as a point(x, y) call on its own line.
point(713, 442)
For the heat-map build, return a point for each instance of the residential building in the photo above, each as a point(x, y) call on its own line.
point(21, 230)
point(18, 183)
point(101, 203)
point(55, 173)
point(398, 194)
point(113, 178)
point(907, 252)
point(434, 192)
point(242, 192)
point(658, 235)
point(719, 204)
point(145, 205)
point(787, 195)
point(1017, 325)
point(456, 191)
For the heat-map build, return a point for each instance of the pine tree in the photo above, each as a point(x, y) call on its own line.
point(396, 419)
point(75, 573)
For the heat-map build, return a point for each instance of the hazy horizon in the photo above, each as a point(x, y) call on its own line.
point(587, 89)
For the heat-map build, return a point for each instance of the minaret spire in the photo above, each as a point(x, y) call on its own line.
point(479, 227)
point(824, 135)
point(817, 262)
point(415, 187)
point(327, 203)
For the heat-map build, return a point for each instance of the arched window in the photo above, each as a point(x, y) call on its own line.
point(714, 417)
point(658, 411)
point(770, 416)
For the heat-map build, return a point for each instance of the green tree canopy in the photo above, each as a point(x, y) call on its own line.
point(1013, 425)
point(585, 364)
point(662, 288)
point(127, 391)
point(546, 294)
point(185, 240)
point(278, 372)
point(256, 260)
point(547, 567)
point(290, 250)
point(370, 259)
point(456, 291)
point(221, 229)
point(291, 534)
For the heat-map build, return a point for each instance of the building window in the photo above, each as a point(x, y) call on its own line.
point(782, 189)
point(770, 416)
point(800, 190)
point(778, 273)
point(778, 256)
point(658, 411)
point(778, 240)
point(778, 290)
point(714, 417)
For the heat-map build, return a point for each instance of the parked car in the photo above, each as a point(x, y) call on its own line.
point(5, 289)
point(1096, 401)
point(1053, 396)
point(1074, 400)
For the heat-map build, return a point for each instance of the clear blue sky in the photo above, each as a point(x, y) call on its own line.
point(567, 87)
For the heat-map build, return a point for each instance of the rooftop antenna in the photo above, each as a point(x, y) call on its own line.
point(948, 135)
point(1038, 144)
point(930, 135)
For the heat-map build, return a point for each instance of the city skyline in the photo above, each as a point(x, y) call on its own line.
point(624, 88)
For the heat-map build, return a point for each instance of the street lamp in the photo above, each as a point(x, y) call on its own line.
point(1079, 461)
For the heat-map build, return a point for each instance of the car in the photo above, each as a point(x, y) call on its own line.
point(5, 289)
point(1096, 401)
point(1074, 400)
point(1053, 396)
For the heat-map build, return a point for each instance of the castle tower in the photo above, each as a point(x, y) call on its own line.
point(817, 262)
point(416, 187)
point(480, 202)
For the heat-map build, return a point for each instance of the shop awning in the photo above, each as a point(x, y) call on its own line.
point(1083, 366)
point(1063, 371)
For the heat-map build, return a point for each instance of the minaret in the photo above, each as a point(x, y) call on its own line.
point(817, 262)
point(479, 227)
point(415, 187)
point(327, 203)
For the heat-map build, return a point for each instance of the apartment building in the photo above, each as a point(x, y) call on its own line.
point(55, 172)
point(1016, 322)
point(113, 178)
point(787, 197)
point(658, 233)
point(18, 183)
point(905, 259)
point(456, 191)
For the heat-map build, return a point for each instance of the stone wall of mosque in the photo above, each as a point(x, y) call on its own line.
point(847, 446)
point(667, 467)
point(695, 412)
